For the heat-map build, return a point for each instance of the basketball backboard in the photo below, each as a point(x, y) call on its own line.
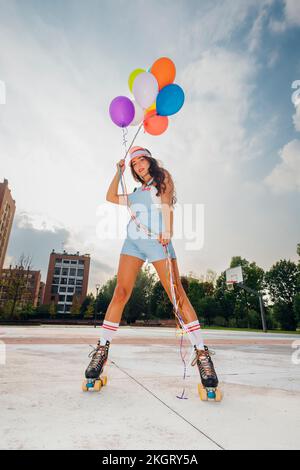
point(234, 276)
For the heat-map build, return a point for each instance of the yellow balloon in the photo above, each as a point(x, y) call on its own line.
point(133, 76)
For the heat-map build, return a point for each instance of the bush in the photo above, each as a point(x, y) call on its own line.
point(254, 319)
point(232, 323)
point(220, 321)
point(242, 323)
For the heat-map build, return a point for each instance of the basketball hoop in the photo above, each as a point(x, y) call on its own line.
point(230, 284)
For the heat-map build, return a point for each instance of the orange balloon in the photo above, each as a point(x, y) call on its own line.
point(154, 124)
point(164, 71)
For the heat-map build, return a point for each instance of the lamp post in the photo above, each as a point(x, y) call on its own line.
point(95, 309)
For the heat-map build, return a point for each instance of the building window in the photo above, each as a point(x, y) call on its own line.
point(70, 289)
point(61, 298)
point(54, 289)
point(57, 271)
point(66, 261)
point(73, 261)
point(63, 280)
point(71, 281)
point(69, 298)
point(78, 282)
point(78, 290)
point(62, 289)
point(65, 271)
point(72, 272)
point(79, 272)
point(55, 280)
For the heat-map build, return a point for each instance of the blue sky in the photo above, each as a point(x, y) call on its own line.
point(234, 147)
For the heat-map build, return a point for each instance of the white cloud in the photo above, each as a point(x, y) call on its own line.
point(296, 118)
point(55, 129)
point(291, 17)
point(285, 177)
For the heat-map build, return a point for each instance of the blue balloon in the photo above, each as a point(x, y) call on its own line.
point(169, 100)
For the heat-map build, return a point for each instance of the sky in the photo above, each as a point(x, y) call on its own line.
point(233, 149)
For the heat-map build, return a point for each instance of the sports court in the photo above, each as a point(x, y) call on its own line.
point(43, 406)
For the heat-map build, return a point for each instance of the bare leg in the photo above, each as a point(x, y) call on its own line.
point(129, 267)
point(187, 311)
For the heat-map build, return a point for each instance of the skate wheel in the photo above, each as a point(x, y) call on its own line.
point(211, 395)
point(98, 385)
point(84, 387)
point(202, 392)
point(219, 395)
point(104, 380)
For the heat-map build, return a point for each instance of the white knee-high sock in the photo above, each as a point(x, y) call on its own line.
point(194, 333)
point(109, 329)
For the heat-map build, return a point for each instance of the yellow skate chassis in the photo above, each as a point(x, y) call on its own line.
point(209, 394)
point(94, 384)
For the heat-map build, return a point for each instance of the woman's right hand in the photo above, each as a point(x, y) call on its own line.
point(121, 165)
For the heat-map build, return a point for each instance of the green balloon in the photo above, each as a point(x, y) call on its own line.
point(133, 76)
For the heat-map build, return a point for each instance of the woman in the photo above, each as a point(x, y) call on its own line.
point(154, 200)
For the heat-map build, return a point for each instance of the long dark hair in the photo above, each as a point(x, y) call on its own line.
point(159, 174)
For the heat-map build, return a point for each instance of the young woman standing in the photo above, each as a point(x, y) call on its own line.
point(154, 201)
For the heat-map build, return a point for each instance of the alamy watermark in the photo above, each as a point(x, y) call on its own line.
point(296, 355)
point(188, 223)
point(2, 92)
point(296, 95)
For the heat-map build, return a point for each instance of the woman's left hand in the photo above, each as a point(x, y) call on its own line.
point(164, 238)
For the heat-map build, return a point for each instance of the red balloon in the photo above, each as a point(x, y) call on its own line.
point(154, 124)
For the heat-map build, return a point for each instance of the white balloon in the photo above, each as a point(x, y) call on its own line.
point(138, 114)
point(145, 89)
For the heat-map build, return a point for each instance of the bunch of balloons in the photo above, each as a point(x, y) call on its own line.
point(155, 98)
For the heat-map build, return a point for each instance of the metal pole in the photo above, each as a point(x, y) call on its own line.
point(262, 311)
point(95, 308)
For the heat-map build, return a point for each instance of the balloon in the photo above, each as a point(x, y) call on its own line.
point(153, 106)
point(138, 115)
point(145, 89)
point(169, 100)
point(164, 70)
point(121, 111)
point(133, 76)
point(154, 124)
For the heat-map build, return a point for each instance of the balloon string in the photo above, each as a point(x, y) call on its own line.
point(132, 142)
point(125, 133)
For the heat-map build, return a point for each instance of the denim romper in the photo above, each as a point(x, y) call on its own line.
point(147, 207)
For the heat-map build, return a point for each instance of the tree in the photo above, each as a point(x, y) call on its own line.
point(52, 310)
point(285, 315)
point(75, 308)
point(90, 311)
point(282, 281)
point(15, 287)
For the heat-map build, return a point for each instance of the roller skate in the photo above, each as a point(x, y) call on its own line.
point(208, 389)
point(93, 380)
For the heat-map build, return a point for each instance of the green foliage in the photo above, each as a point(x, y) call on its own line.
point(296, 307)
point(285, 315)
point(282, 281)
point(220, 321)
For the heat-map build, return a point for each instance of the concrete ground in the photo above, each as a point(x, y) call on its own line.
point(42, 405)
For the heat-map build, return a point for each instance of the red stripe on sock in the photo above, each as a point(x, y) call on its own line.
point(194, 328)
